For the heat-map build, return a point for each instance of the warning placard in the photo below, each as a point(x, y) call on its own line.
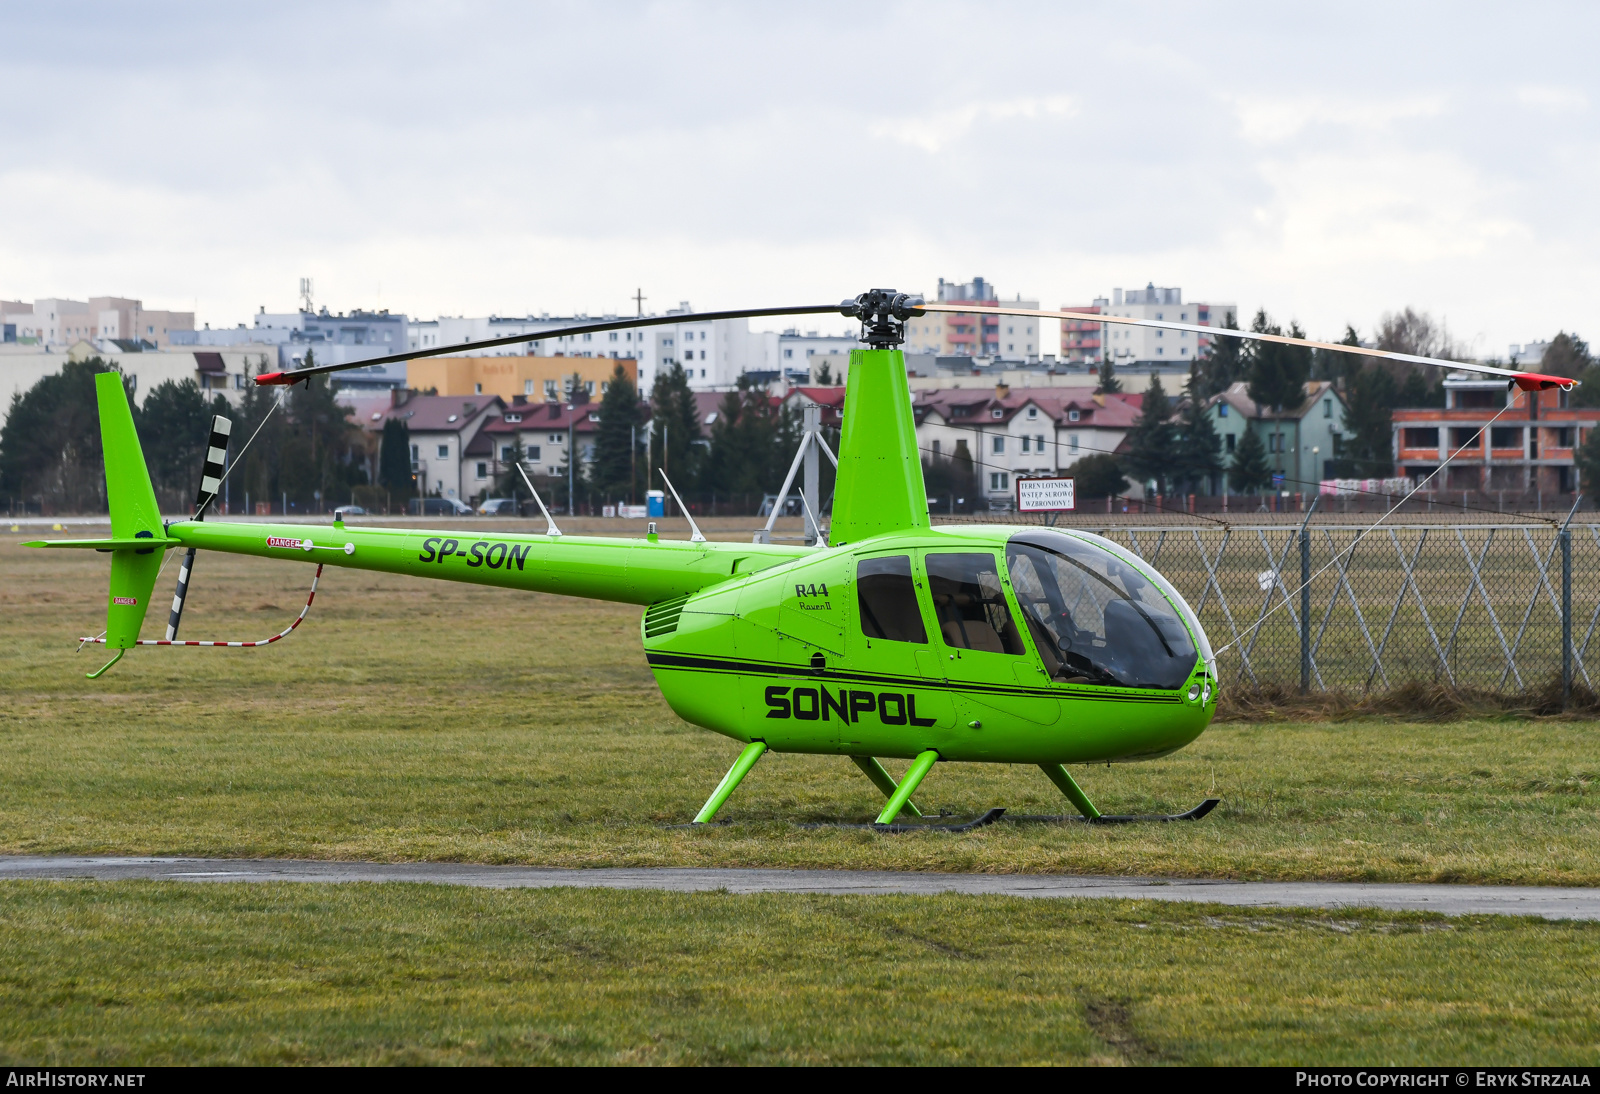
point(1051, 495)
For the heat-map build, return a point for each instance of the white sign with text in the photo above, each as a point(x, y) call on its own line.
point(1044, 495)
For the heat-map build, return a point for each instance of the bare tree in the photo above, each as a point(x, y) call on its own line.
point(1411, 331)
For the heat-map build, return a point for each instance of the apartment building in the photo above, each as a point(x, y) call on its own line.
point(1529, 448)
point(1083, 341)
point(975, 334)
point(1169, 350)
point(56, 321)
point(534, 379)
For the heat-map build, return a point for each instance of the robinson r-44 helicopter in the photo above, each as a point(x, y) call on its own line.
point(889, 638)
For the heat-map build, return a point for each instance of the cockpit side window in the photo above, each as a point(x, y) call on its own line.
point(1095, 618)
point(887, 597)
point(970, 604)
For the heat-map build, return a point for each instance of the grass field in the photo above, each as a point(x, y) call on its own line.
point(142, 973)
point(413, 720)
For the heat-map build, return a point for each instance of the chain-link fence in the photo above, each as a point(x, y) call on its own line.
point(1504, 607)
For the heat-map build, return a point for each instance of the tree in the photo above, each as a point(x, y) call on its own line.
point(318, 459)
point(1328, 364)
point(50, 445)
point(1199, 448)
point(951, 479)
point(1568, 355)
point(1277, 373)
point(1249, 471)
point(1418, 389)
point(748, 441)
point(175, 431)
point(1109, 384)
point(1587, 461)
point(394, 460)
point(1153, 441)
point(1098, 476)
point(1414, 332)
point(1223, 363)
point(612, 473)
point(676, 415)
point(825, 375)
point(1368, 450)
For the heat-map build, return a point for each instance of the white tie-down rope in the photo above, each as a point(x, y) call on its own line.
point(231, 645)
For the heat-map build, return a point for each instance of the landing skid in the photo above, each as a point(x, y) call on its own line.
point(1117, 818)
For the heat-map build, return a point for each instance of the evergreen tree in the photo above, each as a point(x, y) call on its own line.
point(50, 446)
point(1153, 441)
point(1568, 355)
point(676, 415)
point(1277, 373)
point(1368, 450)
point(615, 460)
point(1098, 476)
point(318, 461)
point(394, 461)
point(1587, 461)
point(1199, 455)
point(747, 441)
point(1420, 389)
point(1249, 471)
point(1223, 363)
point(825, 375)
point(1109, 384)
point(175, 431)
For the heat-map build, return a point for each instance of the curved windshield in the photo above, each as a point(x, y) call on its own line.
point(1095, 616)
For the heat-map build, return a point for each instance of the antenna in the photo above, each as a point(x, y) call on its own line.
point(305, 294)
point(550, 525)
point(696, 536)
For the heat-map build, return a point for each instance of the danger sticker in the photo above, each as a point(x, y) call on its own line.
point(283, 541)
point(124, 600)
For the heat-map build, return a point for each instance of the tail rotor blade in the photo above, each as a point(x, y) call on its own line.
point(210, 484)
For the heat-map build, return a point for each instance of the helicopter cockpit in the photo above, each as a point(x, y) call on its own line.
point(1096, 617)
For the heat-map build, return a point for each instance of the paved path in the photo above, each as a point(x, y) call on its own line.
point(1550, 903)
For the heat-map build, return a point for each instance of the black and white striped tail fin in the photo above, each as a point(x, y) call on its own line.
point(210, 484)
point(216, 465)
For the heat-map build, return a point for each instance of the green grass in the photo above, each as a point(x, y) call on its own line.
point(137, 973)
point(424, 720)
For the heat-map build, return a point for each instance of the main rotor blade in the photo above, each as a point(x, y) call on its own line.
point(294, 376)
point(1527, 381)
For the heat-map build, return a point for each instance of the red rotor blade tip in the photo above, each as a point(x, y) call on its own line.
point(1536, 381)
point(274, 378)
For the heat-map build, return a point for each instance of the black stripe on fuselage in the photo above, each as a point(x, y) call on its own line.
point(723, 665)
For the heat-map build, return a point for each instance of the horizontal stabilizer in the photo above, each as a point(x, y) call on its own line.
point(104, 544)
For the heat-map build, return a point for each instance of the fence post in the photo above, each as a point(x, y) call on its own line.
point(1566, 616)
point(1305, 607)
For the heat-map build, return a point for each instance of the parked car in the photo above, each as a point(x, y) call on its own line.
point(438, 507)
point(498, 507)
point(349, 511)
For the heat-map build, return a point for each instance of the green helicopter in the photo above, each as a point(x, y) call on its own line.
point(890, 638)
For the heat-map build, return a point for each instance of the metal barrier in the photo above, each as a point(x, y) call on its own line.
point(1500, 607)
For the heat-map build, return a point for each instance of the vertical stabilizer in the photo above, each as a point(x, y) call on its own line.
point(134, 514)
point(880, 469)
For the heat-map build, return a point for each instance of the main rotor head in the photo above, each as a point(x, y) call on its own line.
point(883, 314)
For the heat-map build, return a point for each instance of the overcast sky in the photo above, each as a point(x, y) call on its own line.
point(473, 158)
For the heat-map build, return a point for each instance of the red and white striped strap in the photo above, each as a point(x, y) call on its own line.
point(237, 645)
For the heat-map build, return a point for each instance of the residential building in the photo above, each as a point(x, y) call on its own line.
point(442, 428)
point(975, 335)
point(1529, 448)
point(1082, 341)
point(535, 379)
point(713, 353)
point(1145, 348)
point(56, 321)
point(222, 371)
point(1299, 441)
point(1010, 432)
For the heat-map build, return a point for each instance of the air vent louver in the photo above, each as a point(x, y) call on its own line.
point(662, 618)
